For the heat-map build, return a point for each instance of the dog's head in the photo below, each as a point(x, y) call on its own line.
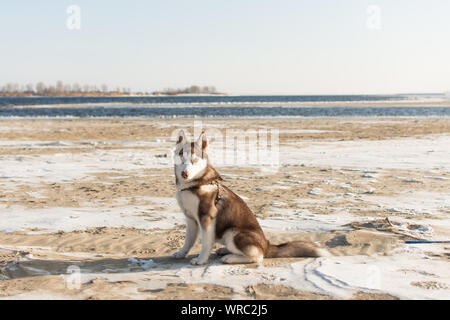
point(190, 158)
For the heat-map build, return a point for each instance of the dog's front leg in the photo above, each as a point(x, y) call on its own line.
point(208, 236)
point(189, 240)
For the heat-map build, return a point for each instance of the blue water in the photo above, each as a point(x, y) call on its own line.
point(206, 106)
point(24, 101)
point(151, 112)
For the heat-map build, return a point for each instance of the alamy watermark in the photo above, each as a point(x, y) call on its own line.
point(373, 278)
point(250, 147)
point(73, 21)
point(73, 277)
point(373, 21)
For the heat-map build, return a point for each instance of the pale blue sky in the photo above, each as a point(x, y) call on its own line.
point(239, 46)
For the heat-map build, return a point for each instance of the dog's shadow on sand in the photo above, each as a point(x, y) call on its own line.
point(39, 267)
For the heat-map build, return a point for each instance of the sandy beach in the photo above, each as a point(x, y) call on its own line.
point(88, 210)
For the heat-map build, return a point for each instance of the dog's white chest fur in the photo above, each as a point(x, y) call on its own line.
point(189, 203)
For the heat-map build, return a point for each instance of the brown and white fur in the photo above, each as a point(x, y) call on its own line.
point(219, 215)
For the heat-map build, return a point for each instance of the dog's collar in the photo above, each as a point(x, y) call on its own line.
point(196, 186)
point(189, 188)
point(219, 195)
point(214, 182)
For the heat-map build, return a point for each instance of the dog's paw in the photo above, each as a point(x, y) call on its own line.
point(222, 251)
point(197, 261)
point(179, 255)
point(228, 259)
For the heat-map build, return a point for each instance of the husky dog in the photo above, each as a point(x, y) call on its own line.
point(219, 215)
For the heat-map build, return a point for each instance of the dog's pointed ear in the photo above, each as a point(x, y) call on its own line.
point(203, 140)
point(181, 137)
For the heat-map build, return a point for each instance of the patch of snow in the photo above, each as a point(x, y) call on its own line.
point(68, 219)
point(404, 153)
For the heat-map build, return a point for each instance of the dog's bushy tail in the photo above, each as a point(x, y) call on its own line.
point(295, 249)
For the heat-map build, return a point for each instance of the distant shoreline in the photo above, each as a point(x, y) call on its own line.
point(109, 95)
point(236, 104)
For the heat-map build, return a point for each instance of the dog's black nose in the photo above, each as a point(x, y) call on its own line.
point(184, 174)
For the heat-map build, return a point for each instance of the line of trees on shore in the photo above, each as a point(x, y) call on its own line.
point(62, 89)
point(59, 89)
point(188, 90)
